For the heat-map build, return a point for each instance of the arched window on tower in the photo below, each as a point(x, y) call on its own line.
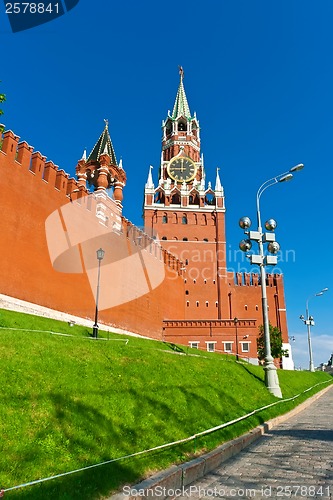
point(181, 126)
point(165, 218)
point(194, 198)
point(159, 197)
point(184, 219)
point(210, 199)
point(175, 200)
point(168, 129)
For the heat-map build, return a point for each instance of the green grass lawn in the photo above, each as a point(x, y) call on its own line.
point(70, 401)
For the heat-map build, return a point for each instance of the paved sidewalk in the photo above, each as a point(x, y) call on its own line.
point(293, 460)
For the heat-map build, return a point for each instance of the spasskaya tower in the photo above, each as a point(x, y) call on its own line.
point(187, 213)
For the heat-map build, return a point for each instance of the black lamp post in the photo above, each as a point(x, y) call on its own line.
point(100, 255)
point(236, 323)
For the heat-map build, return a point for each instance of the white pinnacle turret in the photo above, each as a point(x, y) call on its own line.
point(150, 183)
point(218, 185)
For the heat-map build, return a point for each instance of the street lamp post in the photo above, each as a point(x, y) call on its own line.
point(309, 321)
point(236, 324)
point(271, 378)
point(100, 255)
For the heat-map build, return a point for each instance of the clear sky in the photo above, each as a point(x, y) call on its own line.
point(259, 76)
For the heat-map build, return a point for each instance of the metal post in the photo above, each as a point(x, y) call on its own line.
point(309, 321)
point(100, 255)
point(271, 377)
point(308, 324)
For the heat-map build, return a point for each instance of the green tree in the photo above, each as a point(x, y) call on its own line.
point(276, 343)
point(2, 99)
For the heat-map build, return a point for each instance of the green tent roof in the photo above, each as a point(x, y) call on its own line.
point(103, 145)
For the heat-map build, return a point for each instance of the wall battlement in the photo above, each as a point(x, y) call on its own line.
point(253, 279)
point(21, 153)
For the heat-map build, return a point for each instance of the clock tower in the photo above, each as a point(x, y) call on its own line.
point(187, 214)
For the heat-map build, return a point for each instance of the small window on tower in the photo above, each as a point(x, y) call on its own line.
point(184, 219)
point(181, 126)
point(164, 219)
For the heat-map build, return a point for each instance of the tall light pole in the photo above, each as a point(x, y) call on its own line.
point(100, 255)
point(271, 378)
point(309, 321)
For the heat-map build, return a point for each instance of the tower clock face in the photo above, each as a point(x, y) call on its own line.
point(182, 169)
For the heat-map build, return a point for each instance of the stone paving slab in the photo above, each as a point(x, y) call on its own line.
point(292, 460)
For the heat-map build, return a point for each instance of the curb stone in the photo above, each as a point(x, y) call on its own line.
point(180, 476)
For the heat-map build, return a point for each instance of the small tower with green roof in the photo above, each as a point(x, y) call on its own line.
point(101, 170)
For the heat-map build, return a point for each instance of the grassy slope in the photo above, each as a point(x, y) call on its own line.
point(69, 402)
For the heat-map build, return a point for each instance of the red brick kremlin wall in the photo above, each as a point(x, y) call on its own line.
point(31, 190)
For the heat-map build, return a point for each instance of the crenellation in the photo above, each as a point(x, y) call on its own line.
point(270, 280)
point(255, 279)
point(239, 279)
point(82, 191)
point(247, 278)
point(37, 164)
point(9, 144)
point(24, 154)
point(50, 172)
point(61, 180)
point(72, 185)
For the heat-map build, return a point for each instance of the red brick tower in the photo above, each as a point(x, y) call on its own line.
point(101, 170)
point(187, 213)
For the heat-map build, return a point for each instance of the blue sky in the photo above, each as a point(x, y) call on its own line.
point(260, 77)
